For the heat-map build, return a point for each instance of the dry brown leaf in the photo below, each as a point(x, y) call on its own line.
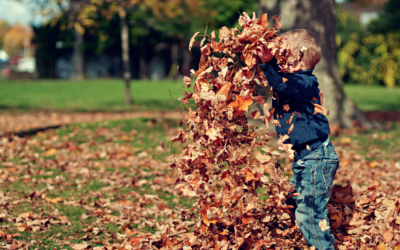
point(55, 200)
point(192, 40)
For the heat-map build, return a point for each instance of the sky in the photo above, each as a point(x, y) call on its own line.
point(12, 11)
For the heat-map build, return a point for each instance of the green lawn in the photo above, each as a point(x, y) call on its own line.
point(373, 98)
point(88, 95)
point(108, 95)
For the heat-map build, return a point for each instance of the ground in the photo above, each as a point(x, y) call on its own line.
point(76, 179)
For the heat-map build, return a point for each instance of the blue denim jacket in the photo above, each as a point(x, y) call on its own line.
point(294, 102)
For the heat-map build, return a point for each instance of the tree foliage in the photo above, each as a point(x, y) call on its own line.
point(4, 27)
point(369, 56)
point(16, 38)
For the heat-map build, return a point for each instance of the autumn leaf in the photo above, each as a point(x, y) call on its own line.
point(263, 21)
point(125, 203)
point(323, 225)
point(50, 152)
point(225, 89)
point(187, 81)
point(336, 220)
point(213, 134)
point(81, 246)
point(286, 107)
point(290, 129)
point(224, 33)
point(381, 246)
point(55, 200)
point(192, 40)
point(25, 215)
point(318, 109)
point(241, 103)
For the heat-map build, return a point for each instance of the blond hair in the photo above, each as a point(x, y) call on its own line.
point(300, 38)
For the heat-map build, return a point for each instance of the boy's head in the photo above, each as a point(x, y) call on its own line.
point(303, 38)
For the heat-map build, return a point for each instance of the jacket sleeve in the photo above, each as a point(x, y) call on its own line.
point(297, 86)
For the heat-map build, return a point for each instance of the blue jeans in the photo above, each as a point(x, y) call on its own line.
point(313, 178)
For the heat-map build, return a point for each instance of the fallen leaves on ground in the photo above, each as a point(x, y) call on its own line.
point(11, 122)
point(217, 167)
point(94, 189)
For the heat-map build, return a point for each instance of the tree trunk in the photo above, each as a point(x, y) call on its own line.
point(187, 58)
point(125, 55)
point(174, 61)
point(77, 57)
point(318, 16)
point(142, 66)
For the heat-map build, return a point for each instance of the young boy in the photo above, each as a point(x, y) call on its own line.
point(316, 161)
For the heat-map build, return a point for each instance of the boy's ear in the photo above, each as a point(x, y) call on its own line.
point(299, 67)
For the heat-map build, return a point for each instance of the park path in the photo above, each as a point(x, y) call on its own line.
point(13, 122)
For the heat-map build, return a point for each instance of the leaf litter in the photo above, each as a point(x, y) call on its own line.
point(237, 191)
point(217, 167)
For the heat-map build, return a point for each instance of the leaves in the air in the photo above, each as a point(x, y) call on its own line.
point(231, 171)
point(192, 40)
point(219, 169)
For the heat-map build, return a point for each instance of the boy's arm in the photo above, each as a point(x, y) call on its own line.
point(296, 86)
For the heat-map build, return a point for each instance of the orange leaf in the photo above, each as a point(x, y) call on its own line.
point(25, 215)
point(284, 79)
point(225, 89)
point(241, 103)
point(290, 129)
point(192, 40)
point(50, 152)
point(318, 109)
point(286, 107)
point(336, 220)
point(125, 203)
point(263, 21)
point(130, 232)
point(388, 236)
point(247, 219)
point(381, 246)
point(373, 164)
point(135, 240)
point(249, 59)
point(55, 200)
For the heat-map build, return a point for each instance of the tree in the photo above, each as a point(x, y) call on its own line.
point(4, 27)
point(318, 16)
point(16, 39)
point(72, 8)
point(389, 19)
point(156, 12)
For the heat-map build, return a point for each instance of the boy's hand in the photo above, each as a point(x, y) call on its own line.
point(265, 54)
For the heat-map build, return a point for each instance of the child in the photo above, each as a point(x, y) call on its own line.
point(316, 161)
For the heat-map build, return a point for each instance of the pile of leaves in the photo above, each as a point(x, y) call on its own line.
point(219, 169)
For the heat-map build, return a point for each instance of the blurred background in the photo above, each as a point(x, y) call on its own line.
point(103, 55)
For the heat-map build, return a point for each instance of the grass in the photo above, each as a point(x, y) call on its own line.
point(108, 95)
point(88, 139)
point(88, 95)
point(374, 98)
point(387, 141)
point(119, 139)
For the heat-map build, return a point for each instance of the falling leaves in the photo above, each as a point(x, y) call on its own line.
point(323, 225)
point(217, 167)
point(235, 204)
point(319, 109)
point(192, 40)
